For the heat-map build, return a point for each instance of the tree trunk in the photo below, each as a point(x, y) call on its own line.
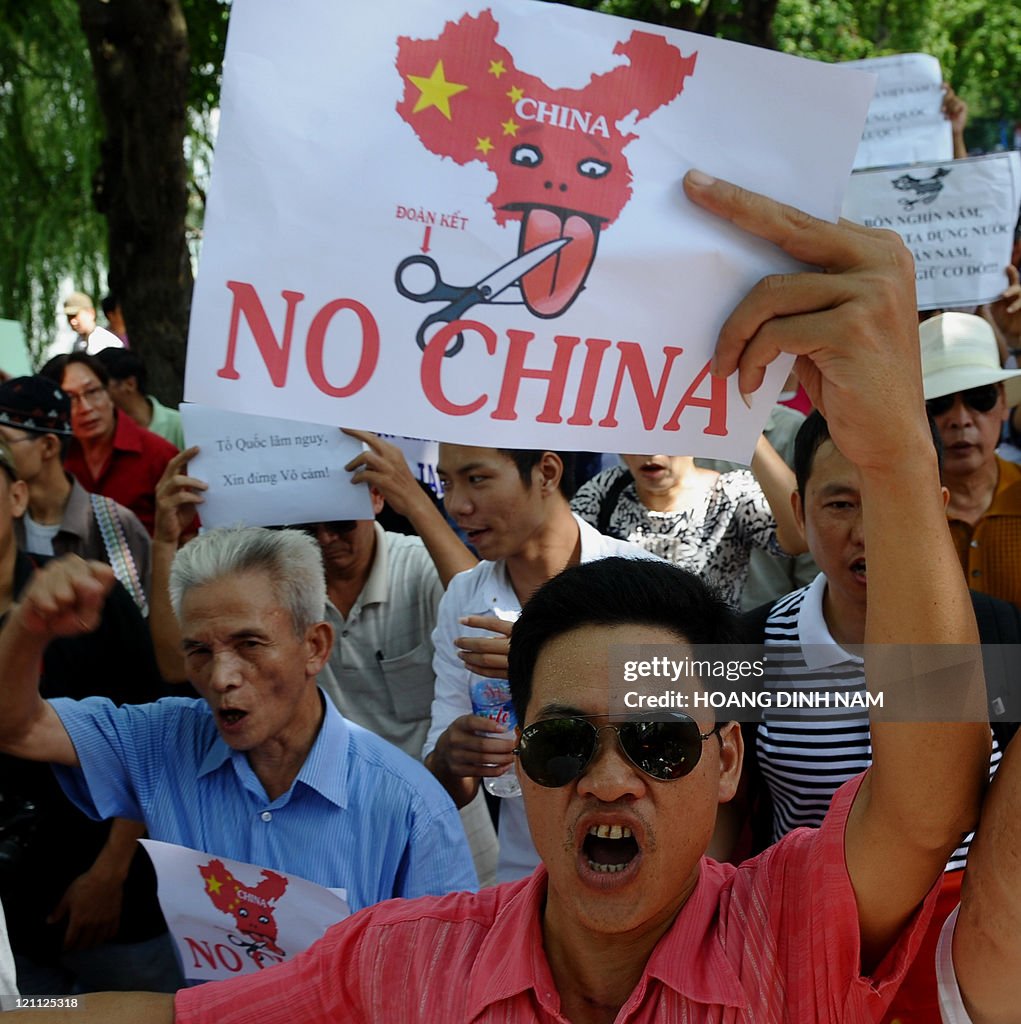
point(140, 57)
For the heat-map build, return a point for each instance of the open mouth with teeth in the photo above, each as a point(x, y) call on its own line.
point(858, 568)
point(609, 848)
point(551, 287)
point(231, 716)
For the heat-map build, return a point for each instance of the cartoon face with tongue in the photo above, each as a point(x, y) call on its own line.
point(558, 154)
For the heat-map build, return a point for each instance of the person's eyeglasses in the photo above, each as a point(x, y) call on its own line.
point(90, 396)
point(981, 399)
point(556, 751)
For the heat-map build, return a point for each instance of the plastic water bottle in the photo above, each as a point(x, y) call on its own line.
point(491, 699)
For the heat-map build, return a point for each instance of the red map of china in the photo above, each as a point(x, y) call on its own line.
point(558, 154)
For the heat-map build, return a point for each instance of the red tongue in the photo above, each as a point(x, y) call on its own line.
point(553, 285)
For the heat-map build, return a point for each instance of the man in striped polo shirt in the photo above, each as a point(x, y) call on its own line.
point(814, 637)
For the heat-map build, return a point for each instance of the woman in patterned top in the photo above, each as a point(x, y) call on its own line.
point(705, 521)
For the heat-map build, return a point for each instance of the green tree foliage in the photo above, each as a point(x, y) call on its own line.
point(51, 132)
point(49, 150)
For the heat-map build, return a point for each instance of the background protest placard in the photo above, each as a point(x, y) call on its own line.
point(464, 221)
point(421, 457)
point(905, 122)
point(957, 218)
point(264, 471)
point(229, 918)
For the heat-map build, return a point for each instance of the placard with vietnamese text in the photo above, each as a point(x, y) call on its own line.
point(957, 218)
point(464, 221)
point(264, 471)
point(905, 123)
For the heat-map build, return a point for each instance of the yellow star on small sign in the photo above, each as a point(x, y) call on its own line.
point(510, 126)
point(515, 94)
point(484, 145)
point(213, 884)
point(496, 68)
point(435, 91)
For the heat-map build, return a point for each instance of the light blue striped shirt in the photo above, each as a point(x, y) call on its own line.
point(361, 815)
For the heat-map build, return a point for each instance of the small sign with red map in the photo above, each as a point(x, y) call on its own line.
point(465, 222)
point(229, 918)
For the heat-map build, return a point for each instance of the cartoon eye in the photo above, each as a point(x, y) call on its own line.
point(263, 919)
point(593, 168)
point(526, 155)
point(242, 912)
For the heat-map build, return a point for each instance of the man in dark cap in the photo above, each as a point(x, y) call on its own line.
point(79, 895)
point(62, 517)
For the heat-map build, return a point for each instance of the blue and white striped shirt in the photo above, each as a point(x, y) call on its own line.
point(361, 815)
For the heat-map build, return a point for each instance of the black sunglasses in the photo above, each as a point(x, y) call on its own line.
point(557, 751)
point(981, 399)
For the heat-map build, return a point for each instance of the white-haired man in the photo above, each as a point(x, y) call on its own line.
point(263, 762)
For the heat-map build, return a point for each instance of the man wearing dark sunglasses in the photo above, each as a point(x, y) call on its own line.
point(970, 395)
point(626, 920)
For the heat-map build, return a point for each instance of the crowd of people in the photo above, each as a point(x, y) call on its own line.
point(301, 698)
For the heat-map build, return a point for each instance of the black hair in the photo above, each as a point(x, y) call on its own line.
point(616, 592)
point(122, 363)
point(53, 369)
point(815, 431)
point(109, 303)
point(526, 459)
point(89, 362)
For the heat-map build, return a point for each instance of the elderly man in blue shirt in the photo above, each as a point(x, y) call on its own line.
point(263, 769)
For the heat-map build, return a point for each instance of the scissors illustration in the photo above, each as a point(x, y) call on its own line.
point(460, 299)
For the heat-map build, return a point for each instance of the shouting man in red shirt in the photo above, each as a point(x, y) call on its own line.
point(626, 919)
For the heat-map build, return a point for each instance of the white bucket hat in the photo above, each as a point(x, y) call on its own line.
point(959, 352)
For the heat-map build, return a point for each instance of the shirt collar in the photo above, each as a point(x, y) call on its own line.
point(325, 767)
point(127, 434)
point(818, 647)
point(1007, 496)
point(511, 958)
point(76, 513)
point(378, 582)
point(689, 958)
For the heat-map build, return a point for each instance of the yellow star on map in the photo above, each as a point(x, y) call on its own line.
point(510, 126)
point(435, 91)
point(213, 884)
point(484, 145)
point(496, 68)
point(515, 94)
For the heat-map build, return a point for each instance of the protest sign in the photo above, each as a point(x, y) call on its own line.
point(905, 122)
point(421, 457)
point(465, 221)
point(957, 218)
point(14, 358)
point(229, 918)
point(264, 471)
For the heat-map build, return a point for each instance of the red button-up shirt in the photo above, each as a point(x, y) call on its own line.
point(132, 471)
point(773, 940)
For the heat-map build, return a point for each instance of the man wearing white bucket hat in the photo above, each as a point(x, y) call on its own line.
point(969, 395)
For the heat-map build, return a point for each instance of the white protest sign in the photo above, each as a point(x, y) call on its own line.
point(421, 457)
point(229, 918)
point(957, 218)
point(264, 471)
point(469, 224)
point(905, 122)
